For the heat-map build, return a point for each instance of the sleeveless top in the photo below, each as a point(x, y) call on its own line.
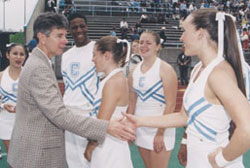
point(80, 77)
point(98, 98)
point(8, 88)
point(148, 86)
point(205, 120)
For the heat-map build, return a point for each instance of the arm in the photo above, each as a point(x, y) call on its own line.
point(224, 85)
point(45, 93)
point(182, 155)
point(132, 94)
point(110, 101)
point(107, 107)
point(170, 120)
point(178, 119)
point(10, 108)
point(169, 82)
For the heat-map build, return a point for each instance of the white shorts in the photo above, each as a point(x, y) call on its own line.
point(75, 146)
point(145, 136)
point(7, 121)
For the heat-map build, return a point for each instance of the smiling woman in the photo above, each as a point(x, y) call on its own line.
point(8, 89)
point(215, 96)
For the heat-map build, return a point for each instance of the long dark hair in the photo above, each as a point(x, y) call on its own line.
point(205, 18)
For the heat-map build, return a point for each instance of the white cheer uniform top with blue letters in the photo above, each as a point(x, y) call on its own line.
point(113, 153)
point(8, 90)
point(79, 76)
point(208, 124)
point(206, 121)
point(150, 102)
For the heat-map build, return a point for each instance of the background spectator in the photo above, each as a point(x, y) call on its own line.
point(124, 28)
point(183, 62)
point(113, 31)
point(245, 39)
point(162, 35)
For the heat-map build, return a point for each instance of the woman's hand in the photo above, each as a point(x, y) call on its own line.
point(10, 108)
point(131, 120)
point(89, 149)
point(158, 143)
point(211, 157)
point(182, 155)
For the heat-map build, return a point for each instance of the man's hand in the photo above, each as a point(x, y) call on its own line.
point(182, 155)
point(122, 129)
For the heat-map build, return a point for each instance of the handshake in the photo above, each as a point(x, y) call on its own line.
point(123, 128)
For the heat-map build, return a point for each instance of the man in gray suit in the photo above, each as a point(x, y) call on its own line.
point(41, 118)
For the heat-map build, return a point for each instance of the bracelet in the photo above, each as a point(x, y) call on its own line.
point(184, 141)
point(220, 160)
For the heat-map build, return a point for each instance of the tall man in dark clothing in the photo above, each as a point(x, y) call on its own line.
point(183, 62)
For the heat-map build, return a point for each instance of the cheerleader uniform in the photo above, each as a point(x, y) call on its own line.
point(8, 90)
point(113, 153)
point(150, 102)
point(81, 84)
point(208, 124)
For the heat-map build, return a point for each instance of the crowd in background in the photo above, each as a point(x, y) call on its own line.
point(157, 11)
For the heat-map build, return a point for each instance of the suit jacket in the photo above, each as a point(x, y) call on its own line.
point(38, 136)
point(182, 58)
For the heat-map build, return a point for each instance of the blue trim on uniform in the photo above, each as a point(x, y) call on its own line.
point(152, 92)
point(195, 104)
point(197, 113)
point(97, 101)
point(97, 105)
point(87, 91)
point(160, 100)
point(163, 97)
point(66, 86)
point(204, 134)
point(147, 96)
point(86, 96)
point(72, 84)
point(207, 128)
point(150, 89)
point(193, 120)
point(7, 96)
point(97, 84)
point(81, 83)
point(83, 76)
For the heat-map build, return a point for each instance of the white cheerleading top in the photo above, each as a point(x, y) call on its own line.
point(113, 152)
point(205, 120)
point(150, 102)
point(79, 76)
point(98, 98)
point(148, 86)
point(8, 88)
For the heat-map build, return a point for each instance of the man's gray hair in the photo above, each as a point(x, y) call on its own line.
point(48, 21)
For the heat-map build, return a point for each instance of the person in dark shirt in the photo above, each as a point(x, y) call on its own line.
point(183, 62)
